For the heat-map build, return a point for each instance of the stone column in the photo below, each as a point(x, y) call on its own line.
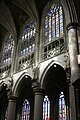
point(75, 73)
point(72, 105)
point(12, 108)
point(38, 103)
point(73, 50)
point(77, 96)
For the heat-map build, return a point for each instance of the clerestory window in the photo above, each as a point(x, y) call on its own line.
point(27, 46)
point(6, 56)
point(54, 31)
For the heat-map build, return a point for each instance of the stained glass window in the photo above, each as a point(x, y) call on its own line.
point(46, 108)
point(26, 110)
point(28, 38)
point(6, 54)
point(53, 31)
point(7, 51)
point(54, 23)
point(27, 46)
point(62, 107)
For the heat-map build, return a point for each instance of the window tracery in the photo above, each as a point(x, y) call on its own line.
point(6, 56)
point(27, 46)
point(26, 110)
point(62, 107)
point(61, 104)
point(46, 108)
point(54, 31)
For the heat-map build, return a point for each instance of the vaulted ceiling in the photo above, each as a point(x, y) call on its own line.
point(14, 13)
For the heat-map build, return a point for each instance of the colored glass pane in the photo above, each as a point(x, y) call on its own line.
point(62, 107)
point(7, 51)
point(54, 23)
point(26, 110)
point(27, 39)
point(46, 108)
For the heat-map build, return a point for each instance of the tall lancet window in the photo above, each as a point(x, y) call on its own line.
point(6, 56)
point(62, 107)
point(54, 29)
point(46, 108)
point(26, 110)
point(27, 46)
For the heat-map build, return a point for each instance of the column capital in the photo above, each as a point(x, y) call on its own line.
point(72, 25)
point(38, 90)
point(35, 83)
point(12, 98)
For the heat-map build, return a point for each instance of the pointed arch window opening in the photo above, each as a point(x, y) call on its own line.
point(54, 31)
point(28, 38)
point(62, 107)
point(46, 108)
point(27, 46)
point(26, 110)
point(6, 56)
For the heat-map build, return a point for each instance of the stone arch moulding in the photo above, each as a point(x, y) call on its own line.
point(42, 77)
point(19, 83)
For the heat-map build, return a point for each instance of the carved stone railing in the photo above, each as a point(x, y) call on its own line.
point(54, 48)
point(25, 62)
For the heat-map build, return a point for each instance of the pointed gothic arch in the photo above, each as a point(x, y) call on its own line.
point(69, 15)
point(48, 68)
point(20, 83)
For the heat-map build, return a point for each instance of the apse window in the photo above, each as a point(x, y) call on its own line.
point(26, 110)
point(46, 108)
point(62, 107)
point(54, 32)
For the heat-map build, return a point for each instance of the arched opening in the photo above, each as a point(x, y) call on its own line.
point(55, 103)
point(25, 99)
